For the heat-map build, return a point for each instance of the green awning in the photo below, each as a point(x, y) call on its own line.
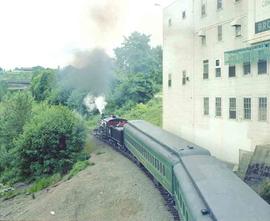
point(250, 54)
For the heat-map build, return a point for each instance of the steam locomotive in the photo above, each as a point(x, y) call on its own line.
point(202, 187)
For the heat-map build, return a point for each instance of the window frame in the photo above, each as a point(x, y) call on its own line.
point(247, 107)
point(238, 31)
point(184, 15)
point(230, 73)
point(169, 80)
point(205, 69)
point(220, 33)
point(203, 9)
point(260, 113)
point(266, 66)
point(219, 4)
point(218, 107)
point(184, 77)
point(244, 68)
point(203, 40)
point(206, 106)
point(218, 67)
point(232, 109)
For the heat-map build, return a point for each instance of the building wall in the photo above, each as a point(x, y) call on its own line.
point(183, 104)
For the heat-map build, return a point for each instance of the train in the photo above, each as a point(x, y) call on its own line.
point(202, 187)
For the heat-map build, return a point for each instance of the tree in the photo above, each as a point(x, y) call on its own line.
point(50, 143)
point(135, 89)
point(3, 89)
point(138, 71)
point(76, 101)
point(134, 54)
point(42, 84)
point(16, 111)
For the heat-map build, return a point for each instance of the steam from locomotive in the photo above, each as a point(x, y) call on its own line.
point(93, 103)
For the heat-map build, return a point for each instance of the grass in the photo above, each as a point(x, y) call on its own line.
point(44, 182)
point(77, 167)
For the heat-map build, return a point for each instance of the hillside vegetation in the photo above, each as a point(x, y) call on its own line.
point(43, 133)
point(151, 112)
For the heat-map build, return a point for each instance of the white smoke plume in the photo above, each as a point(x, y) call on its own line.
point(100, 103)
point(95, 103)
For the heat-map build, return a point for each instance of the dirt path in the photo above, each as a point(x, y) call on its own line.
point(114, 189)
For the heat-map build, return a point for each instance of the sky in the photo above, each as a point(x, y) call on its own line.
point(48, 32)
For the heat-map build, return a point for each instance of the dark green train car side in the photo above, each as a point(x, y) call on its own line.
point(158, 150)
point(157, 160)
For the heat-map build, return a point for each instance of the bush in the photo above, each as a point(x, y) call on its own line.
point(15, 112)
point(77, 167)
point(44, 182)
point(42, 84)
point(266, 192)
point(51, 142)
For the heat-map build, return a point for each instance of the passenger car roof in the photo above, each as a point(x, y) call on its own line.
point(168, 140)
point(225, 194)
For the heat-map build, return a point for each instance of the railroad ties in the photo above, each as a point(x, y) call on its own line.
point(169, 202)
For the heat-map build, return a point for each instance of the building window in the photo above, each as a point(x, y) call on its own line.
point(170, 80)
point(184, 78)
point(170, 22)
point(232, 108)
point(203, 40)
point(218, 106)
point(219, 32)
point(218, 69)
point(219, 4)
point(203, 9)
point(247, 68)
point(206, 105)
point(232, 71)
point(262, 108)
point(183, 14)
point(247, 108)
point(205, 69)
point(238, 30)
point(262, 66)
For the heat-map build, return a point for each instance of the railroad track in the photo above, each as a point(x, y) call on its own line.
point(169, 201)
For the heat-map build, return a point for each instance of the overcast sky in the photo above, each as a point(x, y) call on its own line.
point(47, 32)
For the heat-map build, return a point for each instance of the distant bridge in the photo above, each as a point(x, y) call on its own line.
point(18, 84)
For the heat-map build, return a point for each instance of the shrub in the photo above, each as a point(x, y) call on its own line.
point(44, 182)
point(266, 192)
point(42, 84)
point(51, 142)
point(77, 167)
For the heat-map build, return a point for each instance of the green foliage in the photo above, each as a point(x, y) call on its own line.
point(151, 112)
point(59, 96)
point(77, 167)
point(16, 111)
point(139, 72)
point(3, 89)
point(266, 192)
point(75, 101)
point(44, 182)
point(134, 54)
point(42, 84)
point(137, 88)
point(51, 142)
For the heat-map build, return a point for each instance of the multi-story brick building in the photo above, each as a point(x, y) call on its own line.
point(216, 77)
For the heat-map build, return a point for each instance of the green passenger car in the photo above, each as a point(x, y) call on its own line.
point(155, 158)
point(158, 150)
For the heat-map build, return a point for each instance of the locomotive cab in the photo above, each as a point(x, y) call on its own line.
point(111, 128)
